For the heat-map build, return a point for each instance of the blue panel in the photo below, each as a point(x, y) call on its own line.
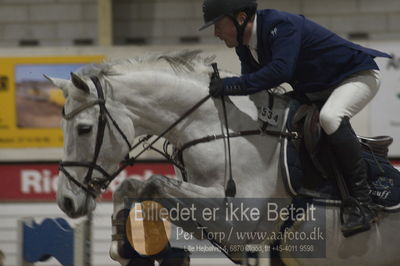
point(51, 238)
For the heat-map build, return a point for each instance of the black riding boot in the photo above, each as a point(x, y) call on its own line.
point(347, 152)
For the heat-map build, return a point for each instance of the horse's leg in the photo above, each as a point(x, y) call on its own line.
point(120, 249)
point(176, 192)
point(175, 257)
point(172, 190)
point(171, 193)
point(158, 186)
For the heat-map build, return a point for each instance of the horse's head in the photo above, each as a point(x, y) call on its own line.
point(97, 130)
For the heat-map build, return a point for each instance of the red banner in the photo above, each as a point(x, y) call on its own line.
point(38, 182)
point(396, 164)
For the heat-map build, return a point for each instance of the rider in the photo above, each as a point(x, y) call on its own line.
point(276, 47)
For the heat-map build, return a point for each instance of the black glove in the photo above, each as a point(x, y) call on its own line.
point(215, 75)
point(216, 88)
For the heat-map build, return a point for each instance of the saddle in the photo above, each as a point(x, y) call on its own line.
point(308, 165)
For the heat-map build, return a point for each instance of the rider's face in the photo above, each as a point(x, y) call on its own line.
point(226, 31)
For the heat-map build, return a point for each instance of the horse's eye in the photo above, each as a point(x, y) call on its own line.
point(84, 129)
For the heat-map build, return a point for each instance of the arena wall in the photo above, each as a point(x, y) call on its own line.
point(74, 22)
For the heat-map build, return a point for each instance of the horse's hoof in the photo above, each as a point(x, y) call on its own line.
point(141, 262)
point(176, 257)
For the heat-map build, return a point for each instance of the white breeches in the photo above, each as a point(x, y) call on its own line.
point(347, 99)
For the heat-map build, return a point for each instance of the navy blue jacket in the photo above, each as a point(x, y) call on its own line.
point(300, 52)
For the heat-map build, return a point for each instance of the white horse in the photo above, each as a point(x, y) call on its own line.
point(145, 96)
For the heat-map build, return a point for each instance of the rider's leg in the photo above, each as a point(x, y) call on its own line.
point(344, 102)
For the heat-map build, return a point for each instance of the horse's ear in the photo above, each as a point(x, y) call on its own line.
point(79, 83)
point(62, 84)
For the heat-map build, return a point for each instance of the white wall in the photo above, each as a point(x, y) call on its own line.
point(60, 22)
point(52, 23)
point(166, 21)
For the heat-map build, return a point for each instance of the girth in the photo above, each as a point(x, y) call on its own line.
point(179, 152)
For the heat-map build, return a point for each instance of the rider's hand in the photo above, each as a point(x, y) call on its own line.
point(215, 75)
point(216, 88)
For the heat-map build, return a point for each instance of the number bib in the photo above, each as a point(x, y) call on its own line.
point(266, 115)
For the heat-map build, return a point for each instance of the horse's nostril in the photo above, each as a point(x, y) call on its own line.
point(68, 204)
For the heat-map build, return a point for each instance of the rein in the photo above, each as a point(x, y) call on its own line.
point(94, 187)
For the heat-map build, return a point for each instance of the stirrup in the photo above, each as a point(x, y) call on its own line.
point(365, 224)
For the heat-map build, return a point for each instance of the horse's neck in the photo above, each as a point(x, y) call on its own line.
point(157, 100)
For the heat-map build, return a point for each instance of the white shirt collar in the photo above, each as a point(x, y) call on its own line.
point(253, 37)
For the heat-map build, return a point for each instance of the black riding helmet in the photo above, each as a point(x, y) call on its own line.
point(213, 10)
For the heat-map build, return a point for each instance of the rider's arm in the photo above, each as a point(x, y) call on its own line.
point(244, 60)
point(285, 43)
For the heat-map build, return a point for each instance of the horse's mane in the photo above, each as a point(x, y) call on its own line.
point(181, 62)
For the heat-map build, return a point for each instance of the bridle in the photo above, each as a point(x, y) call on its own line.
point(94, 187)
